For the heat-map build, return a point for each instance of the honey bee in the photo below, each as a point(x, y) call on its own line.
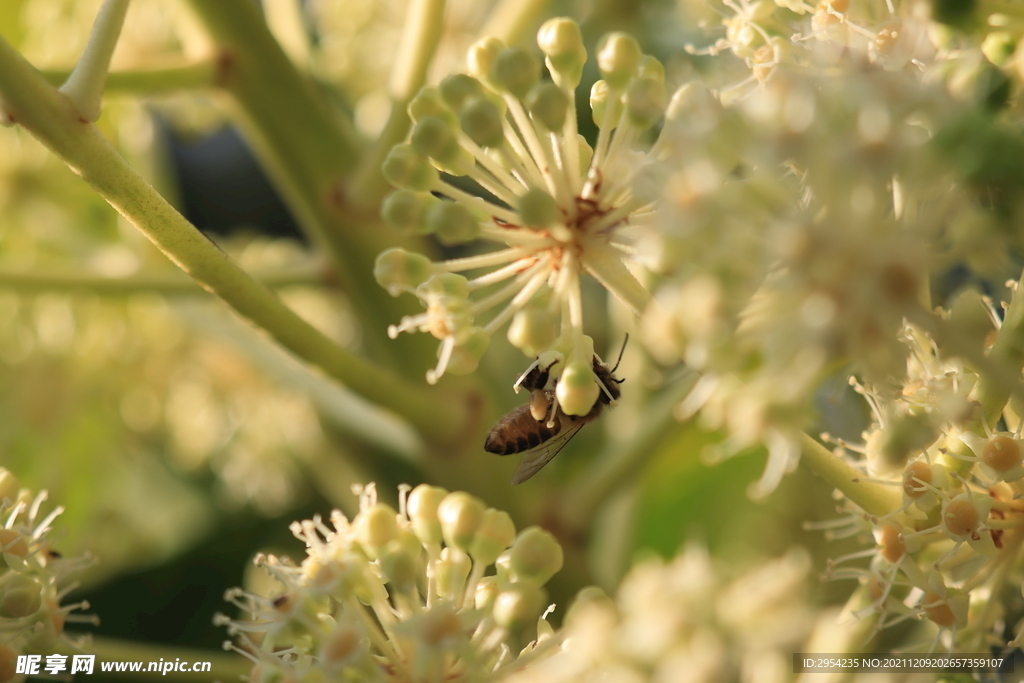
point(539, 430)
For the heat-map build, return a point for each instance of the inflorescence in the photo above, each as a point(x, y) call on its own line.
point(561, 208)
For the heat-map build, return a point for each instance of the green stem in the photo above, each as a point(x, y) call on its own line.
point(190, 76)
point(621, 463)
point(512, 20)
point(171, 284)
point(874, 499)
point(224, 667)
point(424, 24)
point(29, 100)
point(309, 150)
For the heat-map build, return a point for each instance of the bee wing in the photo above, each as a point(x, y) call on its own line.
point(536, 458)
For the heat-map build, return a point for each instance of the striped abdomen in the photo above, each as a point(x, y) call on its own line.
point(519, 431)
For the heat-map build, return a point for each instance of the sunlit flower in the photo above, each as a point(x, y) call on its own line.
point(560, 208)
point(34, 579)
point(403, 596)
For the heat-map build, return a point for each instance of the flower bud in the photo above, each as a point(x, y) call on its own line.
point(645, 102)
point(467, 353)
point(458, 88)
point(429, 102)
point(650, 67)
point(486, 594)
point(618, 56)
point(600, 94)
point(535, 557)
point(377, 527)
point(518, 606)
point(496, 533)
point(452, 569)
point(548, 105)
point(577, 388)
point(515, 70)
point(688, 100)
point(434, 137)
point(460, 515)
point(398, 270)
point(13, 545)
point(444, 285)
point(539, 209)
point(533, 330)
point(481, 58)
point(481, 121)
point(8, 485)
point(452, 222)
point(562, 43)
point(422, 507)
point(408, 170)
point(22, 596)
point(405, 210)
point(400, 568)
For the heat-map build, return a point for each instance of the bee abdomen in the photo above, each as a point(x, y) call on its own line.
point(518, 432)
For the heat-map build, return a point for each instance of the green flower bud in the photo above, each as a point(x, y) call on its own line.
point(481, 121)
point(535, 557)
point(22, 596)
point(515, 70)
point(539, 209)
point(452, 223)
point(405, 211)
point(398, 270)
point(518, 606)
point(618, 56)
point(548, 105)
point(435, 137)
point(998, 47)
point(445, 285)
point(408, 170)
point(481, 58)
point(400, 568)
point(467, 354)
point(422, 507)
point(461, 515)
point(600, 94)
point(562, 43)
point(486, 593)
point(8, 485)
point(496, 533)
point(533, 330)
point(645, 102)
point(577, 389)
point(650, 67)
point(452, 569)
point(458, 88)
point(377, 526)
point(429, 102)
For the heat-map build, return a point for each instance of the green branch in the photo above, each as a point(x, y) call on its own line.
point(309, 150)
point(170, 284)
point(420, 37)
point(874, 499)
point(29, 100)
point(156, 81)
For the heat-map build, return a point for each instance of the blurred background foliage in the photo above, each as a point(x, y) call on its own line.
point(182, 441)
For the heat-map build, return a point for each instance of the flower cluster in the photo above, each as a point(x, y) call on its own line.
point(561, 208)
point(684, 620)
point(33, 580)
point(403, 596)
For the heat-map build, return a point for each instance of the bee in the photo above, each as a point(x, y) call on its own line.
point(539, 430)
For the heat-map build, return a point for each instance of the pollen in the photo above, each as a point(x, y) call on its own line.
point(961, 517)
point(913, 475)
point(1001, 453)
